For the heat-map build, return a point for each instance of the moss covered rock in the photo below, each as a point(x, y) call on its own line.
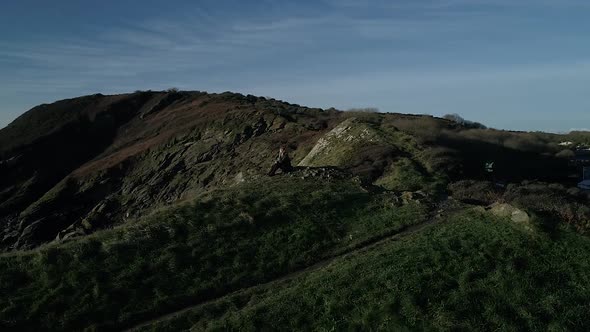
point(340, 146)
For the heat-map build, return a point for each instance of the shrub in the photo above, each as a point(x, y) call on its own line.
point(443, 160)
point(525, 143)
point(567, 153)
point(425, 129)
point(554, 202)
point(364, 110)
point(403, 175)
point(466, 123)
point(475, 192)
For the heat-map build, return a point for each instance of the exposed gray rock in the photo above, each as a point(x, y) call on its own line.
point(515, 214)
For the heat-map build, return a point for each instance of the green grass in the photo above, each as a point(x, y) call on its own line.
point(362, 141)
point(473, 273)
point(224, 241)
point(403, 175)
point(340, 147)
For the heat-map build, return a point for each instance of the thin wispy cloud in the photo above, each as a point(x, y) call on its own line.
point(446, 4)
point(311, 52)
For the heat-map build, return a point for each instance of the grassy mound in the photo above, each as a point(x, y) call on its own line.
point(224, 241)
point(341, 146)
point(378, 153)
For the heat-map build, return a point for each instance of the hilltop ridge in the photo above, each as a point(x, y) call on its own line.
point(79, 160)
point(78, 165)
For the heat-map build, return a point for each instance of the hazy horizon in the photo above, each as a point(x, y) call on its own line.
point(509, 65)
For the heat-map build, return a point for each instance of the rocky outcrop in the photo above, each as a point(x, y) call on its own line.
point(157, 148)
point(321, 173)
point(515, 214)
point(337, 146)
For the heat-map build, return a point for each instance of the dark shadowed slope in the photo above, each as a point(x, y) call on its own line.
point(82, 164)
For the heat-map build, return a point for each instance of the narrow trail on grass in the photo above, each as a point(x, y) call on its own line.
point(435, 216)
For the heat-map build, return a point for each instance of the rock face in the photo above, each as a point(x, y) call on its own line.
point(338, 146)
point(408, 197)
point(321, 173)
point(80, 165)
point(515, 214)
point(102, 160)
point(378, 153)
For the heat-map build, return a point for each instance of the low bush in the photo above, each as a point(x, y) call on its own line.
point(465, 123)
point(425, 129)
point(363, 110)
point(567, 154)
point(475, 192)
point(552, 201)
point(405, 174)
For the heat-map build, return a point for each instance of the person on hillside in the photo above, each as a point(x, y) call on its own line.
point(489, 167)
point(282, 162)
point(489, 170)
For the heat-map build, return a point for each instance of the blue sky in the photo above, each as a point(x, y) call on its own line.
point(509, 64)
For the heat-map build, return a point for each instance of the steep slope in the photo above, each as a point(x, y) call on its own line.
point(47, 143)
point(117, 157)
point(303, 253)
point(222, 241)
point(80, 165)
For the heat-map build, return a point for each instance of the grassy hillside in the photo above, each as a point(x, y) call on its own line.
point(471, 271)
point(106, 159)
point(474, 272)
point(85, 164)
point(226, 240)
point(152, 210)
point(300, 252)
